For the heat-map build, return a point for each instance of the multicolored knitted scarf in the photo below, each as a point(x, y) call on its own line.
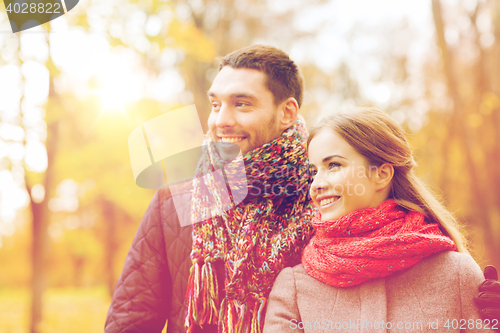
point(371, 243)
point(256, 239)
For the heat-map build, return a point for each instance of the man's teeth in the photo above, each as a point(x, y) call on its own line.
point(327, 201)
point(232, 140)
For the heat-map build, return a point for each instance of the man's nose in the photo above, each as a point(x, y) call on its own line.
point(225, 117)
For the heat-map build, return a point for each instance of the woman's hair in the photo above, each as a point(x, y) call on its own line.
point(376, 136)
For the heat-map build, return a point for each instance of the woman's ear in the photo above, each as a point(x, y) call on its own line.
point(384, 175)
point(289, 111)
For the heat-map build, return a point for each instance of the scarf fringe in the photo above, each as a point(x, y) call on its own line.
point(203, 297)
point(209, 294)
point(258, 315)
point(250, 318)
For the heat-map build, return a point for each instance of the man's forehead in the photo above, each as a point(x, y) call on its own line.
point(238, 81)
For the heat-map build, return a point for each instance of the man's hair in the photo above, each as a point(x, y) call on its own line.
point(284, 78)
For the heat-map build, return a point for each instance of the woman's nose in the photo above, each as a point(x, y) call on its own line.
point(319, 183)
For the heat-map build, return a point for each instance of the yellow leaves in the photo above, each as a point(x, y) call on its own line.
point(193, 41)
point(489, 103)
point(474, 120)
point(94, 146)
point(494, 215)
point(82, 243)
point(478, 156)
point(54, 110)
point(33, 178)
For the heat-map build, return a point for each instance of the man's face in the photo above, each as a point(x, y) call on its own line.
point(243, 110)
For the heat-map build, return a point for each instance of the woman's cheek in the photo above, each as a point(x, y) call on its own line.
point(340, 176)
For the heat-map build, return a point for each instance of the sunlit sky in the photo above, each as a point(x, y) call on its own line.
point(120, 79)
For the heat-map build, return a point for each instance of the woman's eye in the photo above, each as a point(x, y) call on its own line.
point(333, 165)
point(313, 172)
point(215, 105)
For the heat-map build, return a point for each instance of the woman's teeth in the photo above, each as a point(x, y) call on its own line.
point(232, 140)
point(325, 202)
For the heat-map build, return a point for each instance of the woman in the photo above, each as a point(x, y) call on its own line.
point(386, 254)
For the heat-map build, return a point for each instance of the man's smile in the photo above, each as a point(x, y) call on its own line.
point(231, 139)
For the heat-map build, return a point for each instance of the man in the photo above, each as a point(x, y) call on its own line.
point(235, 255)
point(217, 274)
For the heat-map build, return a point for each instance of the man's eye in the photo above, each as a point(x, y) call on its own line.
point(238, 104)
point(215, 105)
point(313, 172)
point(333, 165)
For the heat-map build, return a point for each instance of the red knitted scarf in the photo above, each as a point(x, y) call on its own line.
point(371, 243)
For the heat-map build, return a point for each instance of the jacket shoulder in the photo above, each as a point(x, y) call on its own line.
point(448, 261)
point(179, 187)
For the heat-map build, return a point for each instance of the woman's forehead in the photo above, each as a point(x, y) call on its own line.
point(329, 143)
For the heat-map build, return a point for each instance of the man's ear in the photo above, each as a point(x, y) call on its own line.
point(289, 110)
point(384, 175)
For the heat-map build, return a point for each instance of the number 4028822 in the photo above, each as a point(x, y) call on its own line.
point(471, 324)
point(32, 8)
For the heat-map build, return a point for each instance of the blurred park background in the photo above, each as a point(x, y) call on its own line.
point(72, 90)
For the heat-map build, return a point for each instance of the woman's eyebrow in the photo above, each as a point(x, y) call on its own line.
point(326, 159)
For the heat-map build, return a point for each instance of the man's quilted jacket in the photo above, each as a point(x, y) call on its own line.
point(152, 286)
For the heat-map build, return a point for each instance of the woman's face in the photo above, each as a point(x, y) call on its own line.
point(343, 180)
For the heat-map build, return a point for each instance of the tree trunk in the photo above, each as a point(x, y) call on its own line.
point(38, 258)
point(460, 130)
point(41, 214)
point(484, 86)
point(109, 214)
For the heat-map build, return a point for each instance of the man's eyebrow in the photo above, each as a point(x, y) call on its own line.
point(235, 95)
point(243, 95)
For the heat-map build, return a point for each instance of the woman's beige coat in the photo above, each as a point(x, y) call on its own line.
point(435, 295)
